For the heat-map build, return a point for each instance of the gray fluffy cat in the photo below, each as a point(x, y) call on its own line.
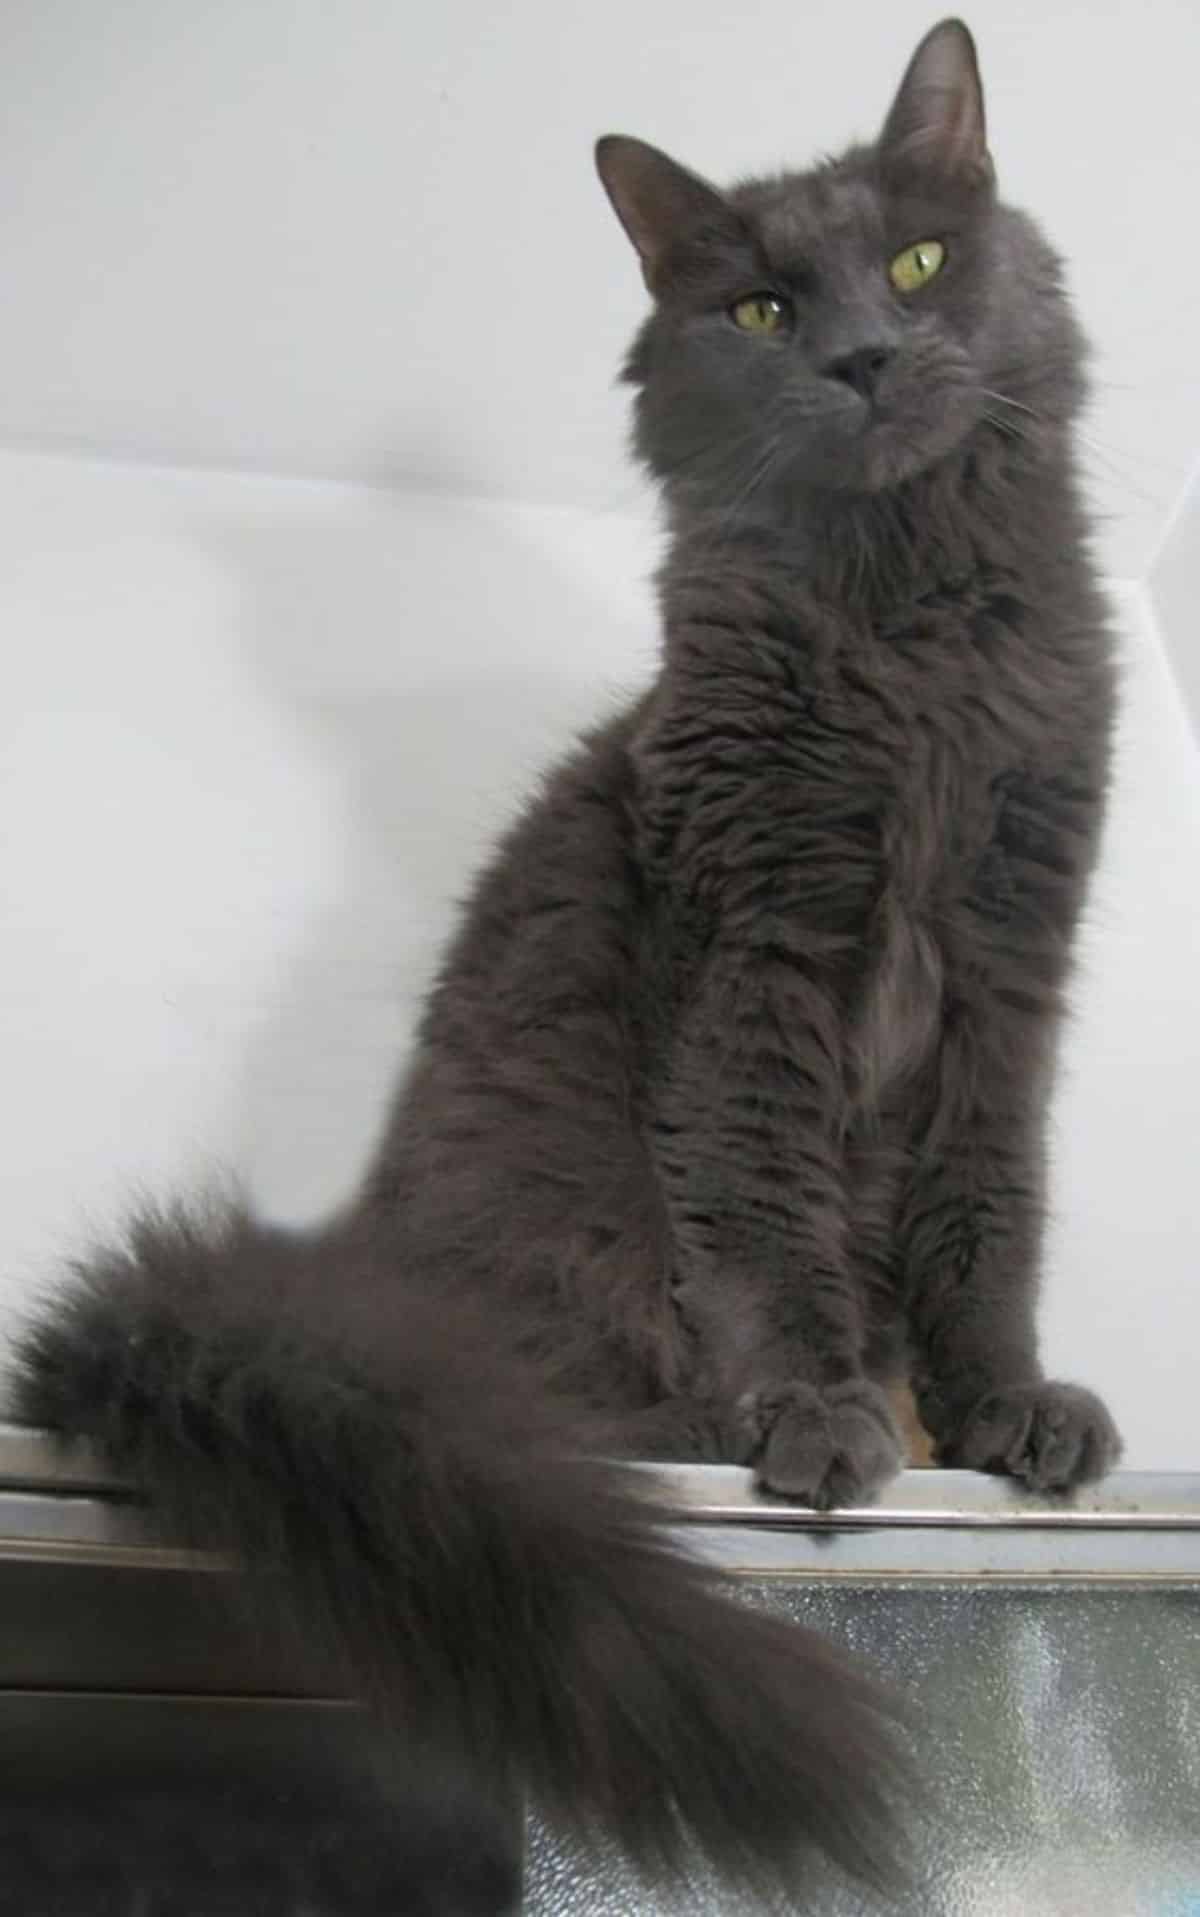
point(728, 1105)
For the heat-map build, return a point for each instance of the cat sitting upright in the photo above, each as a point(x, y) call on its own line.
point(727, 1107)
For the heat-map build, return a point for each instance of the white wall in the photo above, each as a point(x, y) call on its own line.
point(254, 732)
point(253, 736)
point(1174, 586)
point(365, 238)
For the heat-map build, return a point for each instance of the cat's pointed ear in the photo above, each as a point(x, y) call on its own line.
point(936, 127)
point(663, 208)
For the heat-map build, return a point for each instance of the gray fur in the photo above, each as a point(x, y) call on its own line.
point(746, 1044)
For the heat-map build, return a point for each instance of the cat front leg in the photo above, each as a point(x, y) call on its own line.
point(971, 1237)
point(971, 1242)
point(746, 1142)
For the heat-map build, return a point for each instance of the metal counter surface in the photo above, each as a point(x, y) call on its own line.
point(1053, 1649)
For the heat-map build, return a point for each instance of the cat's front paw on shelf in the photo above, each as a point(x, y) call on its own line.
point(825, 1448)
point(1050, 1436)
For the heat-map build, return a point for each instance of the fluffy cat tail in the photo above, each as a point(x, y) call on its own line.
point(425, 1504)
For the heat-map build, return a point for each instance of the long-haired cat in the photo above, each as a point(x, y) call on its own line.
point(727, 1107)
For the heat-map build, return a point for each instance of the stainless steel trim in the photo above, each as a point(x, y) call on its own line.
point(1137, 1500)
point(974, 1555)
point(725, 1494)
point(92, 1530)
point(58, 1507)
point(30, 1459)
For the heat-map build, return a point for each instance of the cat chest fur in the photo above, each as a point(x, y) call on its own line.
point(823, 808)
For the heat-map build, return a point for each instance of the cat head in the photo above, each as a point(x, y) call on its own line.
point(844, 329)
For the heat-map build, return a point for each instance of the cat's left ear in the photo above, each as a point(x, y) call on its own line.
point(666, 211)
point(936, 127)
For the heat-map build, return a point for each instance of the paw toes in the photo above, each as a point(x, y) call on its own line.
point(798, 1449)
point(832, 1448)
point(1048, 1436)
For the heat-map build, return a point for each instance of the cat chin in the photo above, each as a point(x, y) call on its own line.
point(892, 463)
point(873, 469)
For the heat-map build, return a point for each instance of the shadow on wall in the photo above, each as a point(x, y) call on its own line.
point(437, 656)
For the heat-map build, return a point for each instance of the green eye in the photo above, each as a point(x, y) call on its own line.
point(916, 265)
point(760, 313)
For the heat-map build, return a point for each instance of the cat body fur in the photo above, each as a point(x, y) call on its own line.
point(728, 1104)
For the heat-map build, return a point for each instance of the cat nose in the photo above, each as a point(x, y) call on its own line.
point(860, 370)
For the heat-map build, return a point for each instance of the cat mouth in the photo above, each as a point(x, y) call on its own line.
point(854, 419)
point(857, 409)
point(875, 415)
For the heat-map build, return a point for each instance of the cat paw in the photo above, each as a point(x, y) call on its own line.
point(1049, 1436)
point(825, 1448)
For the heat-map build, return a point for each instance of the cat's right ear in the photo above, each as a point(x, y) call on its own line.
point(663, 208)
